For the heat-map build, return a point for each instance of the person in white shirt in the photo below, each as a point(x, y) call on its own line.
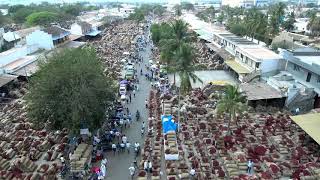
point(143, 125)
point(145, 166)
point(124, 139)
point(114, 148)
point(128, 145)
point(150, 166)
point(192, 172)
point(122, 146)
point(250, 165)
point(132, 170)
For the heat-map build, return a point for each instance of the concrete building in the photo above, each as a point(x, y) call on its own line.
point(300, 78)
point(39, 40)
point(250, 59)
point(58, 35)
point(19, 37)
point(247, 3)
point(84, 29)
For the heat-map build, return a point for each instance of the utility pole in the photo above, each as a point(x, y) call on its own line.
point(178, 109)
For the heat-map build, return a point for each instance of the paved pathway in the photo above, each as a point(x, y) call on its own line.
point(117, 168)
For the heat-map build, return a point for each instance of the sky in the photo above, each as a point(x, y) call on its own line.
point(70, 1)
point(93, 1)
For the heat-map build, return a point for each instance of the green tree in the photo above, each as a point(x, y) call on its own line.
point(158, 10)
point(70, 91)
point(72, 9)
point(179, 35)
point(256, 24)
point(238, 29)
point(42, 18)
point(277, 13)
point(138, 15)
point(184, 66)
point(13, 9)
point(187, 6)
point(314, 26)
point(232, 102)
point(288, 25)
point(221, 17)
point(21, 14)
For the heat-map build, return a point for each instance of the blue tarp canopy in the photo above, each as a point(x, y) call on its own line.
point(168, 123)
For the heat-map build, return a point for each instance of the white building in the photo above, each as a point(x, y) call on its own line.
point(85, 29)
point(19, 37)
point(39, 40)
point(250, 59)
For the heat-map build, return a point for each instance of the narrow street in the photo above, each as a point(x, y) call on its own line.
point(117, 168)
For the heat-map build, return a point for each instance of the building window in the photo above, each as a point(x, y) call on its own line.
point(308, 77)
point(246, 60)
point(318, 80)
point(296, 68)
point(257, 65)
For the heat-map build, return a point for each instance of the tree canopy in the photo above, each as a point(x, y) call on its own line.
point(19, 13)
point(232, 102)
point(70, 91)
point(42, 18)
point(289, 23)
point(187, 6)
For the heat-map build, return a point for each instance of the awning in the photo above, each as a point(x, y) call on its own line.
point(310, 123)
point(237, 67)
point(94, 33)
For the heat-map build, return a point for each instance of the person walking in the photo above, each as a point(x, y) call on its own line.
point(124, 138)
point(146, 102)
point(145, 166)
point(250, 165)
point(192, 173)
point(122, 146)
point(132, 170)
point(130, 97)
point(118, 148)
point(142, 132)
point(114, 148)
point(128, 146)
point(149, 166)
point(143, 126)
point(135, 163)
point(134, 93)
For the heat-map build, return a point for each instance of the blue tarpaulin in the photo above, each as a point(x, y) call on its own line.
point(168, 123)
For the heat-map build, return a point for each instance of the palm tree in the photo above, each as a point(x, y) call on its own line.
point(277, 14)
point(184, 66)
point(232, 102)
point(180, 35)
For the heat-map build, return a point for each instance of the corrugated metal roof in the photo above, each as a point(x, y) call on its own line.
point(310, 123)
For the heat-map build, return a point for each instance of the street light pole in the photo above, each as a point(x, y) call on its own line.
point(178, 109)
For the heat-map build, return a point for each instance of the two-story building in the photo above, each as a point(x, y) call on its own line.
point(250, 59)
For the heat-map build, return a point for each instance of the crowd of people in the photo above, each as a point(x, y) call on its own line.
point(112, 135)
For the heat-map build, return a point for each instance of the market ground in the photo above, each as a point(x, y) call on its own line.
point(117, 168)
